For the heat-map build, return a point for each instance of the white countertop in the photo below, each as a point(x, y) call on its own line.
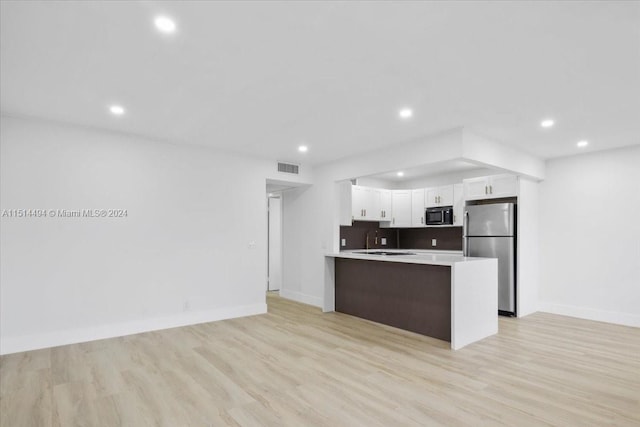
point(446, 258)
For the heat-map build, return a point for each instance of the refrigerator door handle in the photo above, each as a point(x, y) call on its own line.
point(465, 220)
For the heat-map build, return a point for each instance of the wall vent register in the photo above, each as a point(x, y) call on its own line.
point(288, 168)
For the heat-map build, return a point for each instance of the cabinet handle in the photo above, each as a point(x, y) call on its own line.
point(486, 190)
point(454, 219)
point(421, 220)
point(491, 189)
point(365, 212)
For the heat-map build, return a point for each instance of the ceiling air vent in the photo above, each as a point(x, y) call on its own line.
point(287, 168)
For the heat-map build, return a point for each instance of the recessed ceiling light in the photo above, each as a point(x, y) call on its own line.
point(400, 173)
point(303, 148)
point(582, 143)
point(165, 24)
point(405, 113)
point(117, 110)
point(547, 123)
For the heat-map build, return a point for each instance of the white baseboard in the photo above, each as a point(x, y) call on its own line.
point(300, 297)
point(72, 336)
point(626, 319)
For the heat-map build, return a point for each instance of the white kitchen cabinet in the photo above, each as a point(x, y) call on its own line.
point(386, 206)
point(374, 205)
point(358, 196)
point(401, 207)
point(417, 208)
point(458, 204)
point(439, 196)
point(503, 186)
point(490, 187)
point(365, 203)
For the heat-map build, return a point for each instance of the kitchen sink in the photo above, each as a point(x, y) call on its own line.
point(384, 253)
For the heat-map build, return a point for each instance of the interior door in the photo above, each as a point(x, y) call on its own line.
point(275, 244)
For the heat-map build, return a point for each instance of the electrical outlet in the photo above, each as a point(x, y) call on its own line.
point(343, 242)
point(433, 242)
point(383, 241)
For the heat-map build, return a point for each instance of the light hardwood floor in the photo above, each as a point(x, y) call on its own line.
point(296, 366)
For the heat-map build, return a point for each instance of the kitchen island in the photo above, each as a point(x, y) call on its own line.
point(439, 294)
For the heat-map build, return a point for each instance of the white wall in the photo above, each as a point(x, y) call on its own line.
point(590, 236)
point(181, 256)
point(528, 264)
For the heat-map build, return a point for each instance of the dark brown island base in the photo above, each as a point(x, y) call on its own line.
point(414, 297)
point(442, 295)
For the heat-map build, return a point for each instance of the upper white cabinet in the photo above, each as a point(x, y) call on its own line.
point(366, 203)
point(458, 204)
point(358, 202)
point(503, 186)
point(401, 202)
point(417, 208)
point(439, 196)
point(385, 205)
point(490, 187)
point(406, 208)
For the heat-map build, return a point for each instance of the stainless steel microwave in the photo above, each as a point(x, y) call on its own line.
point(440, 216)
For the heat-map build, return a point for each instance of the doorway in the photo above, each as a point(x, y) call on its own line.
point(274, 252)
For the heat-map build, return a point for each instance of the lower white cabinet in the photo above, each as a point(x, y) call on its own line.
point(401, 202)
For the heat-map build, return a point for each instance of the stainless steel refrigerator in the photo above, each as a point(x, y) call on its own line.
point(490, 232)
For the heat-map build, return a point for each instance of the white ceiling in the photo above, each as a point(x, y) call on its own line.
point(431, 169)
point(263, 77)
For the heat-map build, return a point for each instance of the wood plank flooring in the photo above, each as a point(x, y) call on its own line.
point(296, 366)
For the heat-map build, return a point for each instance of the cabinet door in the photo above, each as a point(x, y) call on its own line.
point(503, 186)
point(431, 197)
point(445, 195)
point(358, 201)
point(417, 208)
point(385, 205)
point(476, 188)
point(372, 208)
point(458, 204)
point(401, 206)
